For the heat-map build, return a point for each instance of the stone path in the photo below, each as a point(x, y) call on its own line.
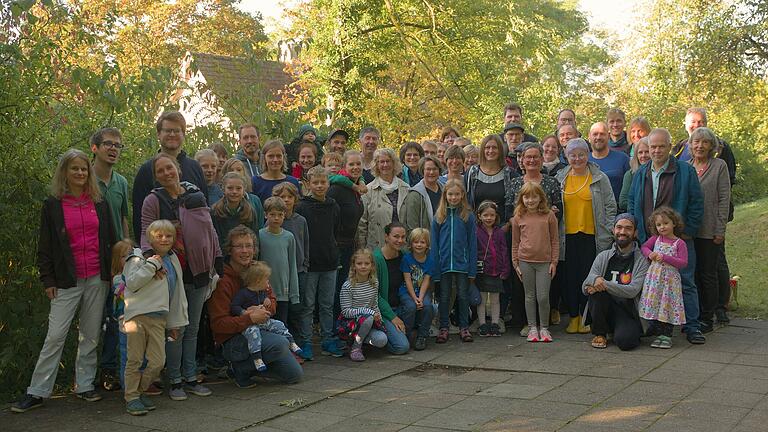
point(493, 384)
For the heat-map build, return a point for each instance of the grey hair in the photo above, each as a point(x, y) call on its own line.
point(661, 131)
point(396, 164)
point(532, 145)
point(697, 110)
point(369, 129)
point(705, 134)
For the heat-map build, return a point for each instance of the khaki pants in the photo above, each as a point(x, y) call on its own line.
point(146, 338)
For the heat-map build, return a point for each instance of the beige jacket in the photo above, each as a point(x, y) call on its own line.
point(377, 213)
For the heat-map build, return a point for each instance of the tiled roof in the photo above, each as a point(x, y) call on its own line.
point(230, 75)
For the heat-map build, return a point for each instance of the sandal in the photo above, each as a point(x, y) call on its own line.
point(466, 336)
point(665, 342)
point(599, 342)
point(442, 336)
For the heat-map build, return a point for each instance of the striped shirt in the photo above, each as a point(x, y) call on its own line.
point(363, 299)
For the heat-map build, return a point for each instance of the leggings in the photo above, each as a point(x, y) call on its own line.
point(536, 282)
point(367, 334)
point(494, 299)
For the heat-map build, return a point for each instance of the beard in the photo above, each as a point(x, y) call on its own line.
point(624, 242)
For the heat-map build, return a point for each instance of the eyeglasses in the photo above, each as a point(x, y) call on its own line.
point(577, 156)
point(112, 144)
point(171, 131)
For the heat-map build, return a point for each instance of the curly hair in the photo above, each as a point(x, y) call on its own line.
point(669, 213)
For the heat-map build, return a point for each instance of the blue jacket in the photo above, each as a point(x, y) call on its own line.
point(687, 198)
point(454, 244)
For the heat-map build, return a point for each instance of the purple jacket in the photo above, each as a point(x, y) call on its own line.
point(496, 261)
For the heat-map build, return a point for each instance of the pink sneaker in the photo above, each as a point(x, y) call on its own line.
point(545, 335)
point(533, 334)
point(356, 355)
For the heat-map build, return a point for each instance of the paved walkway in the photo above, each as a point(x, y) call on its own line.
point(494, 384)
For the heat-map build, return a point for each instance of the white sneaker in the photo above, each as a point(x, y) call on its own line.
point(502, 327)
point(533, 335)
point(524, 331)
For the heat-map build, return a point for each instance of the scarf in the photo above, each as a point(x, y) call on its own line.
point(388, 188)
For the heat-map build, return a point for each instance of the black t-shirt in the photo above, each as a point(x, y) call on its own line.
point(395, 280)
point(619, 270)
point(491, 192)
point(434, 199)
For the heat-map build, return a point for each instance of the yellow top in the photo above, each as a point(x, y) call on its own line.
point(577, 203)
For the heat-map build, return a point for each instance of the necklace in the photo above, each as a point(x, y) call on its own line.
point(586, 180)
point(700, 171)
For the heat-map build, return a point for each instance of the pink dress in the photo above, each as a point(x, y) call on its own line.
point(662, 298)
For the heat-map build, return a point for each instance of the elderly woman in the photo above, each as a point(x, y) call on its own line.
point(274, 164)
point(410, 155)
point(716, 188)
point(641, 154)
point(551, 163)
point(471, 155)
point(491, 179)
point(73, 257)
point(423, 199)
point(197, 246)
point(209, 162)
point(454, 165)
point(589, 208)
point(639, 127)
point(384, 200)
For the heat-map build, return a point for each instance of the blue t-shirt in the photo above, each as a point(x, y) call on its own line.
point(615, 165)
point(417, 269)
point(170, 274)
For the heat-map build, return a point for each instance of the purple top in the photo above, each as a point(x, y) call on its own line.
point(679, 260)
point(496, 262)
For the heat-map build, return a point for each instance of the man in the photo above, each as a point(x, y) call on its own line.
point(513, 113)
point(512, 138)
point(430, 148)
point(667, 182)
point(696, 118)
point(337, 141)
point(614, 285)
point(566, 117)
point(617, 122)
point(106, 144)
point(248, 154)
point(566, 133)
point(171, 128)
point(369, 141)
point(613, 163)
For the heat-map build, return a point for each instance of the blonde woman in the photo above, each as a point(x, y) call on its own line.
point(384, 200)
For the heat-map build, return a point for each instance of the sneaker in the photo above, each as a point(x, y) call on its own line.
point(89, 396)
point(29, 402)
point(147, 402)
point(533, 335)
point(706, 327)
point(197, 389)
point(433, 331)
point(442, 336)
point(466, 336)
point(356, 355)
point(153, 390)
point(294, 348)
point(554, 317)
point(306, 352)
point(136, 408)
point(298, 358)
point(330, 348)
point(494, 331)
point(502, 327)
point(260, 365)
point(483, 330)
point(109, 380)
point(524, 331)
point(177, 392)
point(722, 316)
point(420, 344)
point(545, 335)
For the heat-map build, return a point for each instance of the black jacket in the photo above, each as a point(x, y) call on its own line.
point(323, 221)
point(351, 208)
point(54, 255)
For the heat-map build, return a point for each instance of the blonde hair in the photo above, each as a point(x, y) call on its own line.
point(246, 211)
point(332, 157)
point(121, 248)
point(442, 209)
point(317, 171)
point(287, 187)
point(634, 163)
point(59, 185)
point(228, 167)
point(271, 145)
point(397, 166)
point(274, 203)
point(160, 225)
point(419, 234)
point(257, 271)
point(372, 278)
point(531, 188)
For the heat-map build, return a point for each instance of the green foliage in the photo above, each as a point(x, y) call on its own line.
point(745, 235)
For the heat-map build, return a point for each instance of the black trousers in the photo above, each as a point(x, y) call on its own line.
point(723, 280)
point(579, 255)
point(707, 261)
point(616, 315)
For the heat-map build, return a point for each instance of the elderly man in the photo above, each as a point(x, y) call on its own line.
point(614, 285)
point(613, 163)
point(248, 140)
point(667, 182)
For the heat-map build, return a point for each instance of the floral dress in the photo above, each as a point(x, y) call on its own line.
point(662, 298)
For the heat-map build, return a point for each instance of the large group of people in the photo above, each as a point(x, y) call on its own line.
point(235, 263)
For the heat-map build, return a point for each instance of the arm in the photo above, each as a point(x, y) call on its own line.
point(597, 271)
point(695, 210)
point(504, 252)
point(139, 272)
point(272, 300)
point(150, 212)
point(434, 250)
point(383, 277)
point(516, 242)
point(218, 308)
point(44, 249)
point(259, 210)
point(347, 308)
point(235, 307)
point(293, 277)
point(648, 246)
point(409, 285)
point(723, 200)
point(305, 237)
point(362, 225)
point(680, 259)
point(142, 186)
point(554, 239)
point(424, 286)
point(610, 203)
point(557, 200)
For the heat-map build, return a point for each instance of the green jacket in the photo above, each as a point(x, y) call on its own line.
point(383, 277)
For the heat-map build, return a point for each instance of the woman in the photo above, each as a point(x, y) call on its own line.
point(197, 246)
point(471, 154)
point(588, 211)
point(716, 189)
point(307, 159)
point(273, 167)
point(73, 257)
point(454, 165)
point(552, 163)
point(423, 199)
point(388, 259)
point(639, 127)
point(383, 202)
point(641, 155)
point(209, 162)
point(448, 134)
point(410, 155)
point(351, 206)
point(491, 179)
point(241, 249)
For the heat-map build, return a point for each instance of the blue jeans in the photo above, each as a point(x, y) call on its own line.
point(180, 354)
point(397, 342)
point(275, 352)
point(320, 289)
point(254, 332)
point(296, 313)
point(416, 318)
point(690, 292)
point(123, 346)
point(462, 298)
point(109, 347)
point(345, 254)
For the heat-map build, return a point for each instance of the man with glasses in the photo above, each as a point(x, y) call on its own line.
point(171, 128)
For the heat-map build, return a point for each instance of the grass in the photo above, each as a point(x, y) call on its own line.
point(746, 246)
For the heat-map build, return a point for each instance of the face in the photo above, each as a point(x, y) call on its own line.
point(369, 143)
point(513, 137)
point(488, 217)
point(431, 173)
point(412, 158)
point(643, 153)
point(441, 152)
point(77, 173)
point(318, 185)
point(453, 196)
point(109, 149)
point(624, 232)
point(470, 160)
point(664, 225)
point(566, 118)
point(448, 139)
point(210, 166)
point(222, 158)
point(333, 166)
point(694, 121)
point(288, 199)
point(616, 125)
point(419, 246)
point(578, 159)
point(275, 218)
point(338, 144)
point(249, 142)
point(385, 166)
point(309, 136)
point(550, 150)
point(636, 132)
point(512, 116)
point(700, 148)
point(455, 165)
point(306, 158)
point(171, 136)
point(363, 266)
point(491, 151)
point(396, 238)
point(430, 150)
point(354, 166)
point(161, 242)
point(237, 167)
point(166, 172)
point(531, 201)
point(659, 148)
point(566, 134)
point(234, 191)
point(274, 159)
point(598, 136)
point(241, 250)
point(532, 160)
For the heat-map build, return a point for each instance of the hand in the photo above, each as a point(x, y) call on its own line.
point(658, 257)
point(653, 256)
point(173, 333)
point(267, 302)
point(718, 240)
point(159, 273)
point(377, 317)
point(419, 304)
point(258, 315)
point(555, 210)
point(51, 292)
point(590, 289)
point(599, 283)
point(519, 272)
point(399, 324)
point(552, 270)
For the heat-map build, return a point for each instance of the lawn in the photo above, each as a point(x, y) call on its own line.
point(746, 249)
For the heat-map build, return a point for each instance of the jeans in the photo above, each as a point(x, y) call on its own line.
point(615, 316)
point(88, 295)
point(296, 314)
point(419, 319)
point(254, 332)
point(320, 288)
point(397, 341)
point(180, 354)
point(123, 346)
point(462, 296)
point(109, 344)
point(690, 292)
point(275, 352)
point(723, 280)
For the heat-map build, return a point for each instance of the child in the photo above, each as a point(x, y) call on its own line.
point(414, 292)
point(360, 319)
point(323, 219)
point(535, 251)
point(455, 255)
point(492, 266)
point(662, 297)
point(332, 162)
point(255, 293)
point(155, 300)
point(235, 208)
point(297, 225)
point(278, 248)
point(120, 252)
point(337, 175)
